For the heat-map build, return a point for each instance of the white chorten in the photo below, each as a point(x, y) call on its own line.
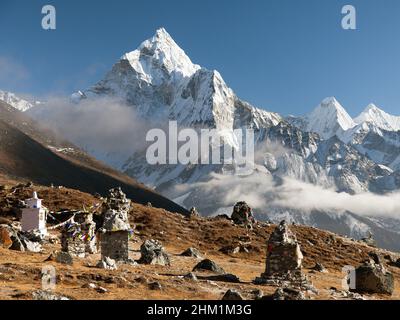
point(34, 215)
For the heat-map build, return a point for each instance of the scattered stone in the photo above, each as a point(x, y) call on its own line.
point(236, 248)
point(374, 278)
point(153, 253)
point(257, 294)
point(101, 290)
point(375, 257)
point(288, 293)
point(231, 249)
point(208, 265)
point(319, 268)
point(193, 212)
point(396, 263)
point(89, 286)
point(61, 257)
point(243, 215)
point(107, 263)
point(31, 246)
point(47, 295)
point(226, 277)
point(191, 252)
point(370, 241)
point(190, 276)
point(232, 295)
point(155, 286)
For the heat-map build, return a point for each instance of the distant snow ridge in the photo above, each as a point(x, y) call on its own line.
point(16, 102)
point(379, 118)
point(328, 119)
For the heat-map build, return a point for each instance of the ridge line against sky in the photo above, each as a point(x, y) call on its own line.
point(280, 55)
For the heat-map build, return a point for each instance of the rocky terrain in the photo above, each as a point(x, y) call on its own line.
point(239, 251)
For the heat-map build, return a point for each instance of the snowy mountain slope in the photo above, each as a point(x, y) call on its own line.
point(379, 118)
point(159, 80)
point(329, 118)
point(16, 102)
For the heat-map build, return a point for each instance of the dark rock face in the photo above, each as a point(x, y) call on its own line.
point(243, 215)
point(232, 295)
point(208, 265)
point(374, 278)
point(153, 253)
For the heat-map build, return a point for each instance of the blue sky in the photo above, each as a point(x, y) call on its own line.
point(281, 55)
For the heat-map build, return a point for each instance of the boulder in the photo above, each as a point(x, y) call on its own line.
point(153, 253)
point(232, 295)
point(374, 278)
point(191, 252)
point(243, 215)
point(208, 265)
point(190, 276)
point(60, 257)
point(107, 263)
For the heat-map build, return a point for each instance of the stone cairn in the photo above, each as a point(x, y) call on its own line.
point(78, 237)
point(116, 230)
point(193, 212)
point(243, 215)
point(284, 261)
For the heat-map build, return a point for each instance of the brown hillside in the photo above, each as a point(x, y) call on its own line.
point(29, 153)
point(20, 272)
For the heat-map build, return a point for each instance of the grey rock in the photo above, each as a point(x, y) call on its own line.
point(208, 265)
point(232, 295)
point(64, 257)
point(155, 286)
point(153, 253)
point(190, 276)
point(107, 263)
point(47, 295)
point(374, 278)
point(191, 252)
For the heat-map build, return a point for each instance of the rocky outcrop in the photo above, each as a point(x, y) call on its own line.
point(374, 278)
point(153, 253)
point(243, 215)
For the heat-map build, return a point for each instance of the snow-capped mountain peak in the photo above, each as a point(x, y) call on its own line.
point(379, 118)
point(160, 51)
point(16, 102)
point(329, 118)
